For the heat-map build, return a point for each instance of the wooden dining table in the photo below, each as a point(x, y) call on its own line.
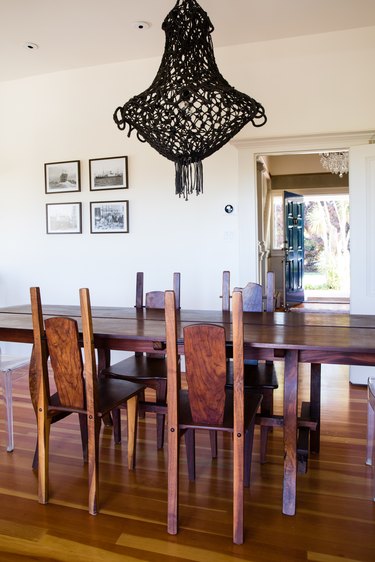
point(313, 338)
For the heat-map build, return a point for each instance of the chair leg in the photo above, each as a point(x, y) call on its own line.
point(142, 414)
point(213, 443)
point(161, 396)
point(160, 422)
point(132, 410)
point(190, 452)
point(34, 466)
point(248, 453)
point(84, 435)
point(6, 383)
point(173, 481)
point(44, 426)
point(116, 419)
point(238, 485)
point(93, 462)
point(263, 443)
point(266, 409)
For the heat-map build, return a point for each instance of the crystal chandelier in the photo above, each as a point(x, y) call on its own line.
point(335, 162)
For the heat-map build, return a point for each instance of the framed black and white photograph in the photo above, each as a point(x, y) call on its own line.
point(109, 217)
point(64, 218)
point(62, 177)
point(109, 173)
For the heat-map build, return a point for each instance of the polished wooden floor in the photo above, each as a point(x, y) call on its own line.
point(335, 518)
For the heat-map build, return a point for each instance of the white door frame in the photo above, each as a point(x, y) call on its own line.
point(248, 151)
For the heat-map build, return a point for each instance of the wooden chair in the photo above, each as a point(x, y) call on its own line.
point(149, 369)
point(155, 299)
point(78, 390)
point(370, 457)
point(259, 376)
point(207, 403)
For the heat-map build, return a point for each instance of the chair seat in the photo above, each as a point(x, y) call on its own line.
point(141, 368)
point(252, 402)
point(11, 362)
point(112, 393)
point(256, 376)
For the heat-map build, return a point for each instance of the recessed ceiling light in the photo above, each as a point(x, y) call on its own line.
point(141, 25)
point(31, 46)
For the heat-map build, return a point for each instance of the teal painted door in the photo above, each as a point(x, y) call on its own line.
point(294, 246)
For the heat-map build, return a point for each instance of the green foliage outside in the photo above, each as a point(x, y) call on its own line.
point(327, 241)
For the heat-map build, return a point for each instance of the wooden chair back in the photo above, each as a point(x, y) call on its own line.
point(66, 361)
point(76, 393)
point(91, 378)
point(270, 292)
point(225, 294)
point(238, 416)
point(57, 338)
point(173, 387)
point(205, 359)
point(41, 388)
point(67, 372)
point(252, 294)
point(155, 299)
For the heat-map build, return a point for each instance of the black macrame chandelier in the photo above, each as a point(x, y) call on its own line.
point(190, 110)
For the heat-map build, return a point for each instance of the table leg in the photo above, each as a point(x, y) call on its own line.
point(290, 432)
point(104, 359)
point(315, 384)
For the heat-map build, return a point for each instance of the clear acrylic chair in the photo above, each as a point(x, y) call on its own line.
point(8, 373)
point(370, 456)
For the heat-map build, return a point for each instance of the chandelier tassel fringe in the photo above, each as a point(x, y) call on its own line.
point(189, 178)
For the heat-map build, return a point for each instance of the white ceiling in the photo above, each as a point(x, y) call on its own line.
point(77, 33)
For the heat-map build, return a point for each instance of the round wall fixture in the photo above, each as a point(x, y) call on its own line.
point(31, 46)
point(228, 209)
point(141, 25)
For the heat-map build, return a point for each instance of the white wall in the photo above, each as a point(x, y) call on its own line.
point(312, 84)
point(308, 85)
point(68, 116)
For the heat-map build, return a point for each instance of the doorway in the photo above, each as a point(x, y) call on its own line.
point(326, 230)
point(362, 188)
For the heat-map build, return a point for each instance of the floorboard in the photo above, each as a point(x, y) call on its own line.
point(335, 518)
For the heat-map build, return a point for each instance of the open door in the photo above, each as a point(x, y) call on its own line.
point(294, 247)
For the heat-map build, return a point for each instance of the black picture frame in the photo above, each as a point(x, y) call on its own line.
point(62, 177)
point(109, 217)
point(64, 218)
point(108, 173)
